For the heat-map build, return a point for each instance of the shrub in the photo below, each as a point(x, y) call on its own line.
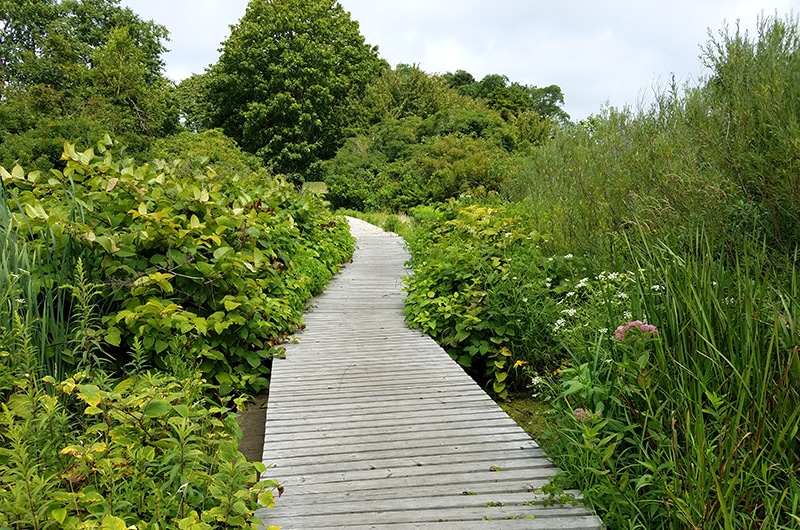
point(212, 268)
point(477, 288)
point(145, 453)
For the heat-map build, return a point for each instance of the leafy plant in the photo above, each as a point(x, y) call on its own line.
point(143, 452)
point(475, 280)
point(213, 268)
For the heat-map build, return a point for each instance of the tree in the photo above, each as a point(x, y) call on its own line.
point(191, 96)
point(510, 98)
point(52, 42)
point(285, 79)
point(75, 70)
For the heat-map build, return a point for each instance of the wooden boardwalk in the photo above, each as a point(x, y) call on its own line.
point(372, 425)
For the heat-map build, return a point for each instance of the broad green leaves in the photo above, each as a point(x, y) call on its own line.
point(123, 461)
point(212, 268)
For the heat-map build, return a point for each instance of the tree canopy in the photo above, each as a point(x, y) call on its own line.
point(511, 98)
point(285, 78)
point(75, 70)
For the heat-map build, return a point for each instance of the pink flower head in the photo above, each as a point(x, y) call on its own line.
point(645, 328)
point(582, 414)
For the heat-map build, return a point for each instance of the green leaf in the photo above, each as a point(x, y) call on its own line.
point(90, 394)
point(86, 156)
point(157, 408)
point(108, 244)
point(111, 522)
point(70, 153)
point(230, 305)
point(183, 410)
point(113, 336)
point(498, 387)
point(221, 251)
point(59, 514)
point(35, 211)
point(266, 499)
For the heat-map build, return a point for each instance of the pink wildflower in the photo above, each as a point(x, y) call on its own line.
point(645, 328)
point(582, 414)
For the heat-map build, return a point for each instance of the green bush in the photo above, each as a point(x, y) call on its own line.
point(211, 268)
point(144, 452)
point(479, 289)
point(212, 147)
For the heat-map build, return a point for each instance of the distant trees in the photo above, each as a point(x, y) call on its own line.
point(76, 69)
point(285, 79)
point(511, 98)
point(418, 140)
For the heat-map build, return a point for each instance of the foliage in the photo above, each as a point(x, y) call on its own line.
point(723, 155)
point(210, 147)
point(479, 274)
point(754, 98)
point(210, 268)
point(143, 453)
point(690, 422)
point(285, 79)
point(419, 142)
point(191, 96)
point(49, 43)
point(511, 99)
point(687, 415)
point(74, 70)
point(30, 294)
point(403, 92)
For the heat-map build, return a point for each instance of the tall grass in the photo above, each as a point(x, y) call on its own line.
point(729, 354)
point(30, 276)
point(723, 155)
point(696, 426)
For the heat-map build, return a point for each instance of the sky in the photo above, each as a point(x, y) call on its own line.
point(601, 53)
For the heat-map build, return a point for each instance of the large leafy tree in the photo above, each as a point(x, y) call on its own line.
point(75, 70)
point(286, 78)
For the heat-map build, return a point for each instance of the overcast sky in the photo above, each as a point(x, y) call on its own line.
point(599, 52)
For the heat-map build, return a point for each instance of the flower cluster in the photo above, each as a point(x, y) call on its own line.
point(582, 414)
point(645, 328)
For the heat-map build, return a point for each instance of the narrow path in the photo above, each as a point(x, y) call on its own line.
point(372, 425)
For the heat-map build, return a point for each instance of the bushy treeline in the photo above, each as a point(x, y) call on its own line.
point(417, 140)
point(639, 270)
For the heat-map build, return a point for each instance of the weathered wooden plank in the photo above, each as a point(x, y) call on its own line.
point(372, 425)
point(498, 514)
point(487, 457)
